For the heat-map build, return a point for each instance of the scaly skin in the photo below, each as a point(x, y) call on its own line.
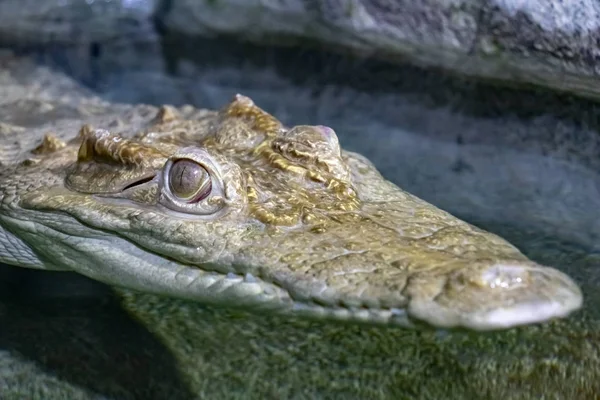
point(232, 208)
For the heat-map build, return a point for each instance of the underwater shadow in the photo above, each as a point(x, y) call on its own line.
point(81, 336)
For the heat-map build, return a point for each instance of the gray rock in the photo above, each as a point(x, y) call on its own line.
point(550, 43)
point(545, 42)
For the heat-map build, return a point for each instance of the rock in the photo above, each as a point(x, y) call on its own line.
point(544, 42)
point(551, 43)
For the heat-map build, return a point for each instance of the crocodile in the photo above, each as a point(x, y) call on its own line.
point(232, 208)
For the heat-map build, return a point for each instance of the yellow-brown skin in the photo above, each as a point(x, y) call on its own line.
point(285, 221)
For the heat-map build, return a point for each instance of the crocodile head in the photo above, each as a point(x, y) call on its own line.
point(232, 208)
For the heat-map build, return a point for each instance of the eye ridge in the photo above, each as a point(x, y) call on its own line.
point(194, 188)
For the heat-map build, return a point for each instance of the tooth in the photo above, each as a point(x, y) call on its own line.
point(361, 314)
point(268, 291)
point(300, 307)
point(341, 313)
point(399, 316)
point(380, 316)
point(231, 275)
point(398, 312)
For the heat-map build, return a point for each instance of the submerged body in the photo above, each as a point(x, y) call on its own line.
point(232, 208)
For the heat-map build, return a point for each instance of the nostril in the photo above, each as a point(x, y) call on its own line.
point(328, 134)
point(505, 276)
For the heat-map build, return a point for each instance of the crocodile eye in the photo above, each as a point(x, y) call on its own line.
point(189, 181)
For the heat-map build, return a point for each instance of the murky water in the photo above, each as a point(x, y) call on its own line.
point(524, 171)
